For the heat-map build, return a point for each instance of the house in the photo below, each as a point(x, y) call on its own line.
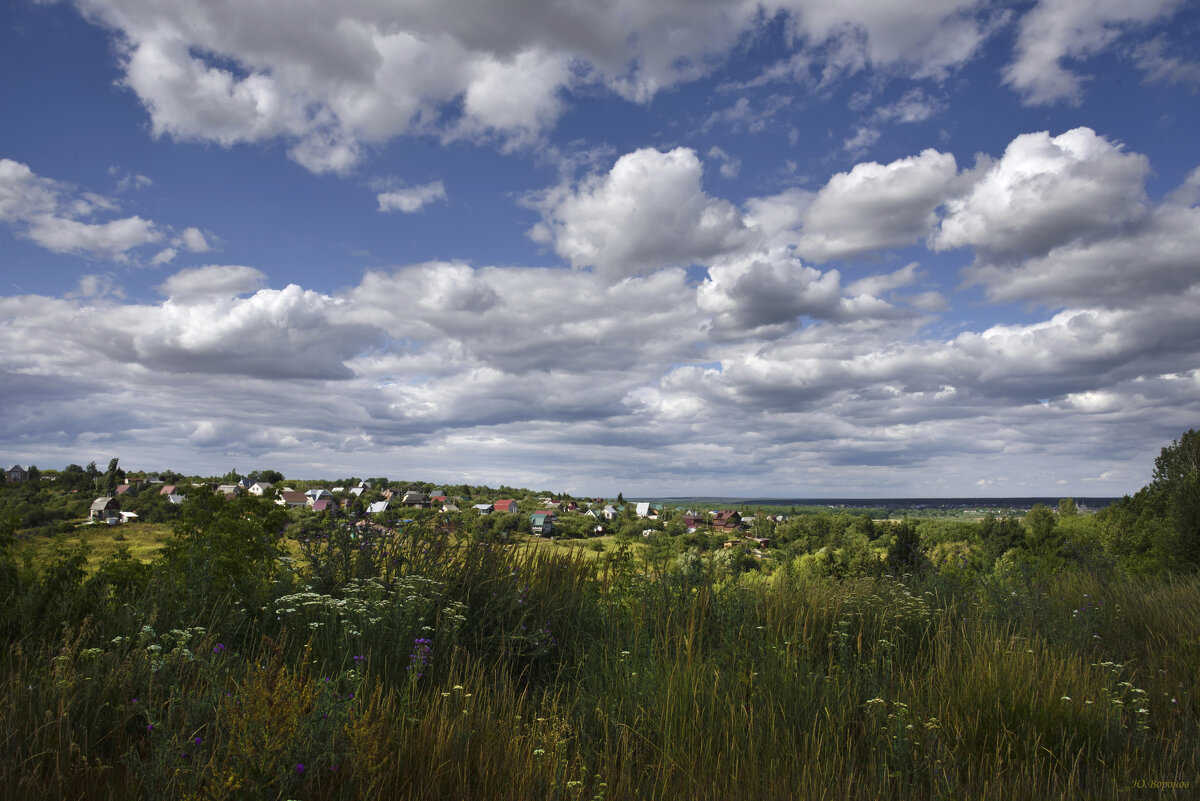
point(694, 521)
point(292, 499)
point(123, 488)
point(261, 488)
point(16, 474)
point(319, 494)
point(642, 510)
point(229, 490)
point(449, 507)
point(505, 505)
point(379, 507)
point(175, 499)
point(483, 508)
point(542, 521)
point(590, 513)
point(167, 489)
point(728, 521)
point(322, 505)
point(415, 498)
point(105, 509)
point(609, 512)
point(357, 491)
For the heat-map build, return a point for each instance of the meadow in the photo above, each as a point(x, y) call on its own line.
point(415, 665)
point(236, 653)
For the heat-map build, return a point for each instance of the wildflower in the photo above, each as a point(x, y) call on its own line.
point(149, 727)
point(300, 767)
point(218, 648)
point(1065, 698)
point(539, 751)
point(197, 740)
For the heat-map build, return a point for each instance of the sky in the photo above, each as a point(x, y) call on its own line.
point(792, 248)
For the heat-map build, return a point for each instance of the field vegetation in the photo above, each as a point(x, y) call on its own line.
point(261, 653)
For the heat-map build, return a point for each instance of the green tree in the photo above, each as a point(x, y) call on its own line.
point(113, 476)
point(1176, 486)
point(1067, 508)
point(1041, 533)
point(904, 555)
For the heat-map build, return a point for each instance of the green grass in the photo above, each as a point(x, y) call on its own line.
point(544, 672)
point(144, 541)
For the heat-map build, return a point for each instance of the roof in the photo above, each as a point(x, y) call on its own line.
point(102, 503)
point(168, 489)
point(377, 507)
point(291, 496)
point(321, 505)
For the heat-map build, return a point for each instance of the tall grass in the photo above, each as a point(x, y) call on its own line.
point(480, 671)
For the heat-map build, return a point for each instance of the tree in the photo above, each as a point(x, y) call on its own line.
point(1176, 486)
point(1067, 508)
point(904, 555)
point(114, 475)
point(1041, 530)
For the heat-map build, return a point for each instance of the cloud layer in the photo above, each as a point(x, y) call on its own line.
point(625, 366)
point(333, 80)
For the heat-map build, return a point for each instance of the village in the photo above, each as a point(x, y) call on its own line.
point(550, 516)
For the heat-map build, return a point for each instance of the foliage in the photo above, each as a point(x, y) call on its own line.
point(420, 657)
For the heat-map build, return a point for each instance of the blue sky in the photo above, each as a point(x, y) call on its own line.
point(794, 248)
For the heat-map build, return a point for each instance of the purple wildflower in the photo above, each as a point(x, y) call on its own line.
point(299, 767)
point(422, 650)
point(218, 648)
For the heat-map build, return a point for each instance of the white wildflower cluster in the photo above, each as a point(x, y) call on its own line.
point(163, 649)
point(1128, 704)
point(368, 606)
